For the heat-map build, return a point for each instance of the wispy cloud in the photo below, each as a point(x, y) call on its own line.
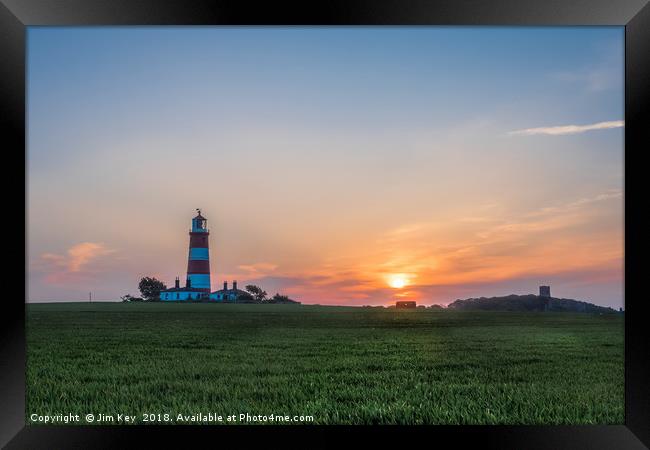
point(606, 72)
point(568, 129)
point(595, 80)
point(257, 269)
point(59, 268)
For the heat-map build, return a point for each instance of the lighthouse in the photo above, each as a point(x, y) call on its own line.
point(197, 281)
point(198, 260)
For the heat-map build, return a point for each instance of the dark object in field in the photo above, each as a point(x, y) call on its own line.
point(528, 303)
point(405, 304)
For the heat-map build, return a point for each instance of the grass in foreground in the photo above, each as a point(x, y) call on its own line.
point(340, 365)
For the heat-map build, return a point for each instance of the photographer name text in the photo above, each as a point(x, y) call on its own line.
point(125, 419)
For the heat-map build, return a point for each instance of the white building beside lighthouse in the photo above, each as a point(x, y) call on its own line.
point(229, 295)
point(178, 293)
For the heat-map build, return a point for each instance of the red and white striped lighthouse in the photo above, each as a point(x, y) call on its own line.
point(198, 262)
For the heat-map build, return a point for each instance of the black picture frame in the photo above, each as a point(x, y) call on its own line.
point(16, 15)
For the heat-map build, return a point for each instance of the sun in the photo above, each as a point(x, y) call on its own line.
point(397, 281)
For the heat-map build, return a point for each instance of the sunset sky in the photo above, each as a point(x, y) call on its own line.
point(349, 166)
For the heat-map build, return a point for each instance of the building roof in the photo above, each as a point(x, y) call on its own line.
point(230, 291)
point(182, 289)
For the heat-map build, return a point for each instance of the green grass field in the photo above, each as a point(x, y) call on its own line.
point(340, 365)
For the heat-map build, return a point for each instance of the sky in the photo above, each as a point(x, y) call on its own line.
point(337, 165)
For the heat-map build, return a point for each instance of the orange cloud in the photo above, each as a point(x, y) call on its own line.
point(572, 237)
point(73, 265)
point(81, 254)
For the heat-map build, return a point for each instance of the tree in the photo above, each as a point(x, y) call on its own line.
point(150, 288)
point(257, 292)
point(279, 298)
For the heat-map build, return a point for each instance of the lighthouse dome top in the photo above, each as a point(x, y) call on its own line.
point(199, 223)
